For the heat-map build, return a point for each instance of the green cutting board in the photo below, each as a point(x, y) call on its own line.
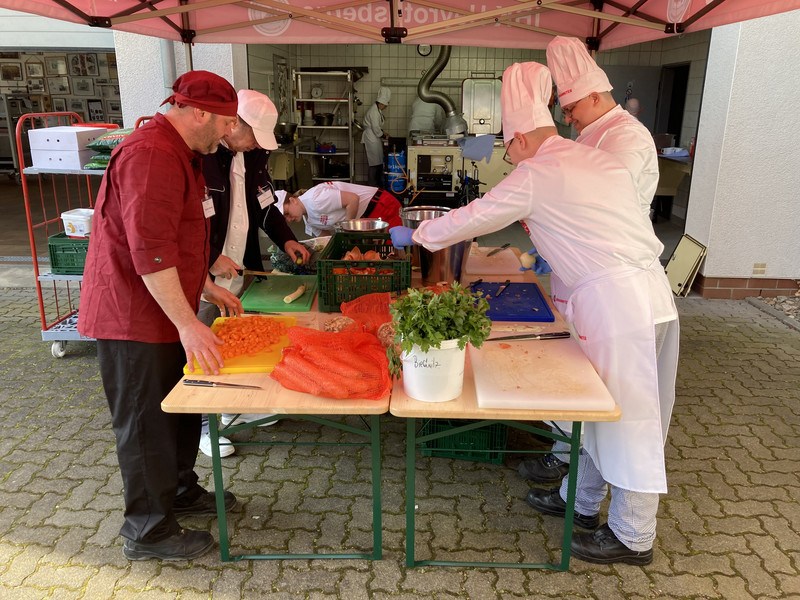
point(267, 294)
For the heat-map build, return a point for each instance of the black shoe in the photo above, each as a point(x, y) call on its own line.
point(184, 545)
point(204, 504)
point(602, 547)
point(545, 469)
point(549, 502)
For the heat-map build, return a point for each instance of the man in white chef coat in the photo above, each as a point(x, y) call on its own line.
point(373, 137)
point(579, 206)
point(584, 93)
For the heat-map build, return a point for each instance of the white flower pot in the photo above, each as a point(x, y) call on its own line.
point(436, 375)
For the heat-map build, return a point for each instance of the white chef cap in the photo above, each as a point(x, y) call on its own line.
point(574, 72)
point(384, 95)
point(280, 198)
point(524, 96)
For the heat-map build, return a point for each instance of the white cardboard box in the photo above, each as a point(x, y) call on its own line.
point(60, 160)
point(63, 138)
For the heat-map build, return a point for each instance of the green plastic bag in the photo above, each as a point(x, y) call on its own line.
point(108, 141)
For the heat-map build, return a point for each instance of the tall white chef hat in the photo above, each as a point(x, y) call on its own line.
point(384, 95)
point(574, 72)
point(523, 99)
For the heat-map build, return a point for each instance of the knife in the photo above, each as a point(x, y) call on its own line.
point(496, 250)
point(472, 284)
point(502, 287)
point(203, 383)
point(533, 336)
point(249, 272)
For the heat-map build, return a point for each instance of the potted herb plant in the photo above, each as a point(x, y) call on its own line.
point(432, 328)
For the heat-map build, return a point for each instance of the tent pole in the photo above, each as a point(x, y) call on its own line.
point(188, 48)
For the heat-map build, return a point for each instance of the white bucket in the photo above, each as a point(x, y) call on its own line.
point(436, 375)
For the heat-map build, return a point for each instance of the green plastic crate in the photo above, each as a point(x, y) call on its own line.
point(335, 288)
point(67, 255)
point(467, 445)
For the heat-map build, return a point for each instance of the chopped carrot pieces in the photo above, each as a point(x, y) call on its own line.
point(249, 335)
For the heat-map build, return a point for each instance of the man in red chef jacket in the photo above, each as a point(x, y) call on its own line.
point(146, 268)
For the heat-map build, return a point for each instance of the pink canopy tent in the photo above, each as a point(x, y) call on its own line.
point(603, 24)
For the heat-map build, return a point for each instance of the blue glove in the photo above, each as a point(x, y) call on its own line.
point(539, 266)
point(401, 236)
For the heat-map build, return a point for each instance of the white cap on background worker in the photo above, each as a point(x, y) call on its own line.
point(575, 73)
point(524, 96)
point(384, 95)
point(260, 113)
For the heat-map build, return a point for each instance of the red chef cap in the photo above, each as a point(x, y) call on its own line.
point(206, 91)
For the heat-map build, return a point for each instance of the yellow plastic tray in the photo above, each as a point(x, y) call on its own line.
point(263, 362)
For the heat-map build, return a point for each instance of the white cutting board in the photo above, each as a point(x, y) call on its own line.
point(502, 263)
point(532, 375)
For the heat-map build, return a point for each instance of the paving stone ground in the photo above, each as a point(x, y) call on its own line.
point(729, 528)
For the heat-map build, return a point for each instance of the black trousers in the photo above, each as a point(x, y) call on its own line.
point(156, 450)
point(375, 176)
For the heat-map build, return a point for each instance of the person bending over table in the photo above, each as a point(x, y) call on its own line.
point(146, 268)
point(579, 207)
point(326, 204)
point(244, 200)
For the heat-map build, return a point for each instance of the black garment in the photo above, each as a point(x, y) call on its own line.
point(156, 450)
point(216, 171)
point(375, 176)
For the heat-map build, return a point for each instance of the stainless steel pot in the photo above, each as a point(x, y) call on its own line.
point(284, 132)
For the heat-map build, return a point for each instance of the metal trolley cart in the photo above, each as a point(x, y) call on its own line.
point(48, 193)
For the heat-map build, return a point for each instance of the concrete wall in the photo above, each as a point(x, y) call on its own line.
point(148, 66)
point(744, 201)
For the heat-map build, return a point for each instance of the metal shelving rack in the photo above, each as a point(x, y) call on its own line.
point(338, 133)
point(48, 193)
point(8, 147)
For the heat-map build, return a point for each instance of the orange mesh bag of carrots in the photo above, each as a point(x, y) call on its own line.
point(371, 310)
point(249, 335)
point(342, 364)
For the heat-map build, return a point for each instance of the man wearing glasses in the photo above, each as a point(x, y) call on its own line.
point(579, 206)
point(585, 96)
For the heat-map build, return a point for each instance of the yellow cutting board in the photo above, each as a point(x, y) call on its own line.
point(262, 362)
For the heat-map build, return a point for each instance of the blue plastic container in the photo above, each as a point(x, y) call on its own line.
point(397, 172)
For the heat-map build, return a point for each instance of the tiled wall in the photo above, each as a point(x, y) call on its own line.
point(400, 67)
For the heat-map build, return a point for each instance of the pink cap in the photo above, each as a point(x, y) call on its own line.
point(575, 73)
point(260, 113)
point(523, 99)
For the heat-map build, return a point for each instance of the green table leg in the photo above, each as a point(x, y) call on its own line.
point(411, 467)
point(572, 480)
point(377, 515)
point(219, 488)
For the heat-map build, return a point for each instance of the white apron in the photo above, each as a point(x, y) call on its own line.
point(613, 318)
point(372, 136)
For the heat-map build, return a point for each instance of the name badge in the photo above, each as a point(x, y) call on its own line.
point(265, 198)
point(208, 206)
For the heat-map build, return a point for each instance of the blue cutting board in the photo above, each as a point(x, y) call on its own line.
point(519, 302)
